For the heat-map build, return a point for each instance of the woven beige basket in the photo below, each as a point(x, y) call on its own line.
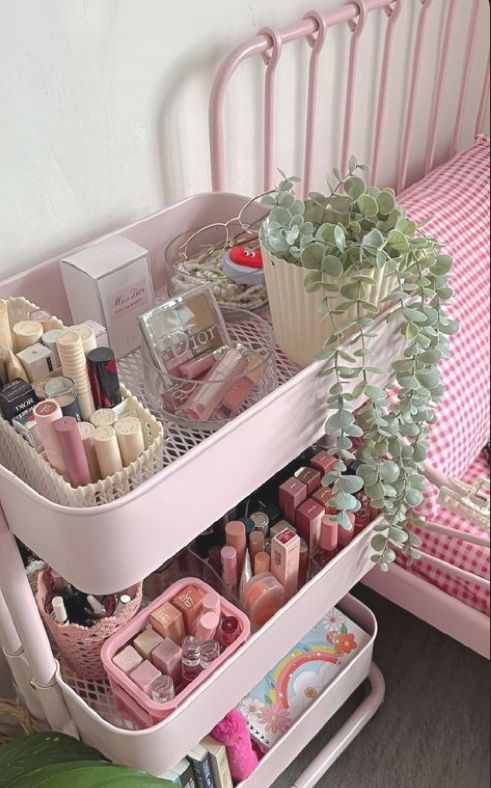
point(80, 647)
point(22, 459)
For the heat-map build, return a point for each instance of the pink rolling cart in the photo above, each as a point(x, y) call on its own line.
point(113, 546)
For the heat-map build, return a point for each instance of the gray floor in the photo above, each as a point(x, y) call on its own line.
point(433, 730)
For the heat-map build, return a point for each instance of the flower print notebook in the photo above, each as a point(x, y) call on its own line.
point(296, 681)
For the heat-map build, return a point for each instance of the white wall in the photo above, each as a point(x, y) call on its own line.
point(104, 107)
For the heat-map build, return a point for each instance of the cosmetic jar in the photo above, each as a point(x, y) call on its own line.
point(263, 597)
point(210, 651)
point(162, 690)
point(63, 391)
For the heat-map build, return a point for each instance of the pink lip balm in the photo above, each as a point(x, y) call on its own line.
point(72, 449)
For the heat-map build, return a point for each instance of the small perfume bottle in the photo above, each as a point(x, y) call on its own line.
point(191, 666)
point(162, 690)
point(210, 651)
point(228, 631)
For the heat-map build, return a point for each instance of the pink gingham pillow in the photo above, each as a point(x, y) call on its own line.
point(456, 197)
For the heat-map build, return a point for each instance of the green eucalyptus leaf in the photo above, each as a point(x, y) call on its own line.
point(280, 215)
point(397, 535)
point(349, 484)
point(352, 163)
point(398, 241)
point(340, 238)
point(374, 239)
point(343, 520)
point(375, 393)
point(379, 542)
point(332, 266)
point(344, 501)
point(312, 256)
point(368, 205)
point(339, 420)
point(386, 202)
point(390, 471)
point(449, 327)
point(354, 187)
point(443, 265)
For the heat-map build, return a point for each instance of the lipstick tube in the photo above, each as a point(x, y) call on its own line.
point(86, 431)
point(130, 439)
point(47, 413)
point(103, 376)
point(209, 394)
point(256, 543)
point(72, 449)
point(107, 451)
point(235, 536)
point(105, 417)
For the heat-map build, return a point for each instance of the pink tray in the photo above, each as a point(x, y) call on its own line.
point(126, 690)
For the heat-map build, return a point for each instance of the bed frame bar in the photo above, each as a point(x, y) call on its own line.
point(269, 45)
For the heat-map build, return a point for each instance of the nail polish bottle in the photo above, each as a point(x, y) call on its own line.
point(228, 631)
point(191, 666)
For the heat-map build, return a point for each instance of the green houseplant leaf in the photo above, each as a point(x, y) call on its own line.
point(54, 760)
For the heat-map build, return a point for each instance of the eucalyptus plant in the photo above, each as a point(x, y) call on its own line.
point(345, 240)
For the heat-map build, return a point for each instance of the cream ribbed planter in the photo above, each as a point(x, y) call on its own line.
point(300, 330)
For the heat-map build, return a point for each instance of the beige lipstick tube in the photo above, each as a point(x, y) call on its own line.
point(107, 451)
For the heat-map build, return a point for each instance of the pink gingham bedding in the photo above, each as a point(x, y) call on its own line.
point(456, 197)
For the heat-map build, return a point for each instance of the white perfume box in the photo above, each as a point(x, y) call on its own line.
point(110, 282)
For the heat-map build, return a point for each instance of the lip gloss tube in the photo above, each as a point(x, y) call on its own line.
point(47, 414)
point(208, 395)
point(235, 398)
point(193, 369)
point(229, 567)
point(72, 449)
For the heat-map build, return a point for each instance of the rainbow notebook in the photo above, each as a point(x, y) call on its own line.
point(293, 685)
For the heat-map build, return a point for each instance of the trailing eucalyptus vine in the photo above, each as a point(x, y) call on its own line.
point(349, 241)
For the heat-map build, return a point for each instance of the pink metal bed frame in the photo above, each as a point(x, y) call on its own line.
point(410, 592)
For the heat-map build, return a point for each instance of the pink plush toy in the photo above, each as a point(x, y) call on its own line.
point(232, 731)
